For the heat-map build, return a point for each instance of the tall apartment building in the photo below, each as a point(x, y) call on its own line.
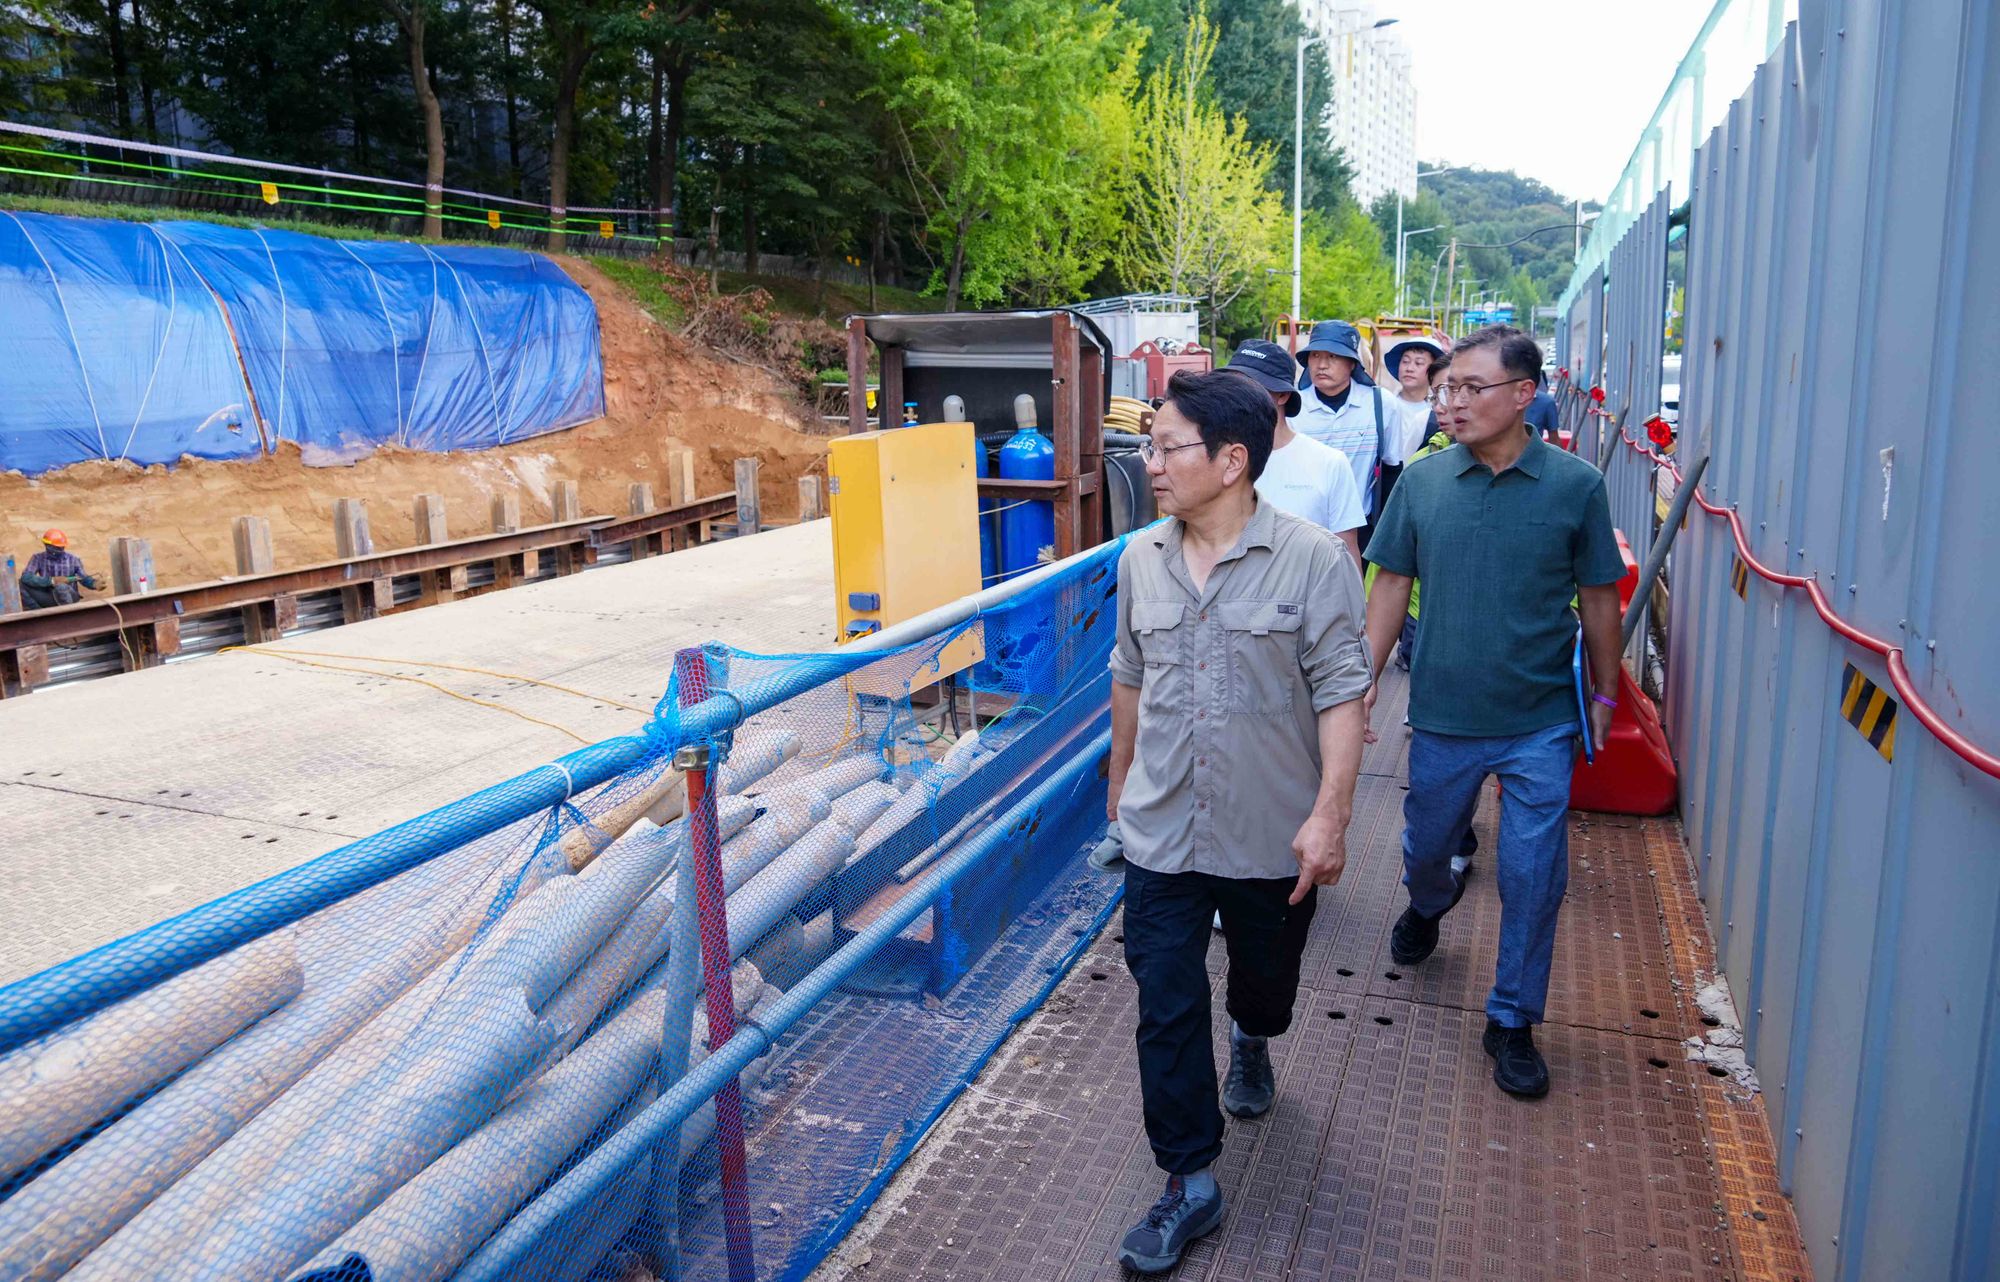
point(1373, 117)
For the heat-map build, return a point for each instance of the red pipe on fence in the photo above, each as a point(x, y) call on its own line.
point(1899, 672)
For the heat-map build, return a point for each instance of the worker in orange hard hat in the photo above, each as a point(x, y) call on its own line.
point(54, 574)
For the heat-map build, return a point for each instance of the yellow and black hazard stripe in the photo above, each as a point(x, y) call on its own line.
point(1739, 577)
point(1868, 708)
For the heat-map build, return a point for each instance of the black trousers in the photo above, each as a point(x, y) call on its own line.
point(1167, 920)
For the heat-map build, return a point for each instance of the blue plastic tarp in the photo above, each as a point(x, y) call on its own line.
point(115, 349)
point(348, 345)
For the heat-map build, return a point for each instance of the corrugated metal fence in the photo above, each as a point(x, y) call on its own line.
point(1843, 362)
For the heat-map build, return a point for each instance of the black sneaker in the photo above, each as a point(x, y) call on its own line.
point(1156, 1243)
point(1518, 1068)
point(1415, 936)
point(1248, 1089)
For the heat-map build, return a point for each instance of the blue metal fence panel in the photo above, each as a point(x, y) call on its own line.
point(1839, 333)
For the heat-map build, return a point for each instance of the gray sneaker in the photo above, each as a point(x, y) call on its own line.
point(1156, 1243)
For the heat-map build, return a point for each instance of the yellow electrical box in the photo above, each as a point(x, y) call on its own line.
point(905, 507)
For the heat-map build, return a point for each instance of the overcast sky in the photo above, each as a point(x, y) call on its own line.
point(1593, 71)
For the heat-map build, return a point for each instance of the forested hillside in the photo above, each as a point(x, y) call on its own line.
point(991, 151)
point(1481, 208)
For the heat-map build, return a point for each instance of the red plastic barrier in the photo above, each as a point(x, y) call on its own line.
point(1634, 773)
point(1629, 582)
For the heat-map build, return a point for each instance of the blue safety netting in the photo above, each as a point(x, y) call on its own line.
point(479, 1045)
point(347, 345)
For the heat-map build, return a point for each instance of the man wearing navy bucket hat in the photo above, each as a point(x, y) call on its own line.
point(1302, 476)
point(1340, 406)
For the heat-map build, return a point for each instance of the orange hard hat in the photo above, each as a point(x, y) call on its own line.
point(55, 538)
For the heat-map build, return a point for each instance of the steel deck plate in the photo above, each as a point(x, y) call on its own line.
point(1389, 1154)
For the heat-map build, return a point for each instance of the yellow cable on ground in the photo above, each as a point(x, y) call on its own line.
point(391, 676)
point(453, 667)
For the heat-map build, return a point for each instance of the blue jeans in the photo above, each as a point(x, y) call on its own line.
point(1446, 773)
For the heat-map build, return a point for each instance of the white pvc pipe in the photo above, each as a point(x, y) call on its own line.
point(354, 967)
point(423, 1230)
point(181, 1215)
point(830, 783)
point(862, 807)
point(52, 1091)
point(755, 755)
point(958, 765)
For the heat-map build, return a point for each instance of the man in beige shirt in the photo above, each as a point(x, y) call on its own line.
point(1236, 715)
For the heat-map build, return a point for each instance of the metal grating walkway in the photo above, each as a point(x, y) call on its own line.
point(1390, 1154)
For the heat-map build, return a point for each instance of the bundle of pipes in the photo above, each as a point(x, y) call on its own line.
point(424, 1229)
point(957, 765)
point(56, 1089)
point(358, 960)
point(361, 1114)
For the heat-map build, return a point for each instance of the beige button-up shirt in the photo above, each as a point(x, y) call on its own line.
point(1231, 682)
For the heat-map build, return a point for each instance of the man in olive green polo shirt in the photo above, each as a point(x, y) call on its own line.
point(1236, 726)
point(1504, 531)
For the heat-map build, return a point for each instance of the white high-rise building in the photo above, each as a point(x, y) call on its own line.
point(1373, 117)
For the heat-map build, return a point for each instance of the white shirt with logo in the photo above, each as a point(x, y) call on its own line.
point(1313, 482)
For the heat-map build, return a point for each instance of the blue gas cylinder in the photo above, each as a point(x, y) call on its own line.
point(1026, 528)
point(989, 524)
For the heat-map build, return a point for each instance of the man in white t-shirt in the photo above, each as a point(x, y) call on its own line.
point(1303, 477)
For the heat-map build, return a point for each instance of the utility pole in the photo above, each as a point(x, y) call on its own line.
point(1450, 271)
point(1399, 251)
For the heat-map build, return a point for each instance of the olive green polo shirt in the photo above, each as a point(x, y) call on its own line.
point(1501, 557)
point(1232, 679)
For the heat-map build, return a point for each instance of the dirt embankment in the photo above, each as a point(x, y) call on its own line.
point(660, 394)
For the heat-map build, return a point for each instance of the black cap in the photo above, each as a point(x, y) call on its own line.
point(1273, 368)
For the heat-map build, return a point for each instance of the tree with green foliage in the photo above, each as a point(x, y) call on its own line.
point(765, 96)
point(990, 90)
point(1485, 210)
point(1201, 213)
point(1342, 269)
point(1063, 251)
point(31, 87)
point(1253, 74)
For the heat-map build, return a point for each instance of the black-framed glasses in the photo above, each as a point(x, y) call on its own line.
point(1462, 393)
point(1148, 450)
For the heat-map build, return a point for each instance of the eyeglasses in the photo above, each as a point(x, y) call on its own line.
point(1148, 451)
point(1462, 393)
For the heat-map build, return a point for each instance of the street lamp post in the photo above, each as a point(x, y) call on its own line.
point(1403, 253)
point(1401, 256)
point(1299, 152)
point(1298, 166)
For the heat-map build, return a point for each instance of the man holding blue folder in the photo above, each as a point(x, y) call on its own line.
point(1504, 532)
